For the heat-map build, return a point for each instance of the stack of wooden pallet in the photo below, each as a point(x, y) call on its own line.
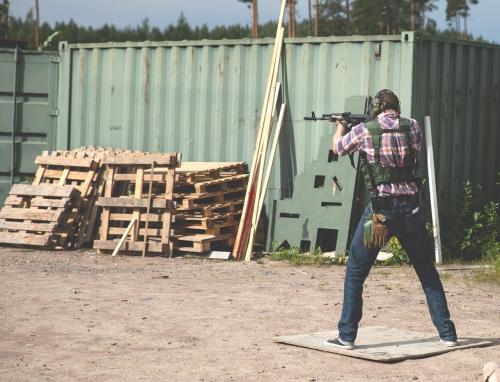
point(39, 215)
point(137, 201)
point(209, 200)
point(138, 205)
point(80, 169)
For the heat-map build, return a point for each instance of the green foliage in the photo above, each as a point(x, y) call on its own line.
point(391, 16)
point(294, 257)
point(399, 254)
point(474, 230)
point(333, 18)
point(366, 17)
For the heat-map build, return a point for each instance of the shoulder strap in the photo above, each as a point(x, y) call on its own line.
point(405, 127)
point(375, 131)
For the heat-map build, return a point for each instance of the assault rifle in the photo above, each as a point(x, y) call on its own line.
point(351, 119)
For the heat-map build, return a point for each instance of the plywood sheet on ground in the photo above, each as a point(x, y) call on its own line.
point(378, 343)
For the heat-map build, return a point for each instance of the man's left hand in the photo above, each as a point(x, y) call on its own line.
point(341, 126)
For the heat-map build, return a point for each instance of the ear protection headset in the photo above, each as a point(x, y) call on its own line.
point(381, 102)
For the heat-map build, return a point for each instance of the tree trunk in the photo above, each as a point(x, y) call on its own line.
point(37, 25)
point(465, 26)
point(412, 14)
point(255, 27)
point(4, 18)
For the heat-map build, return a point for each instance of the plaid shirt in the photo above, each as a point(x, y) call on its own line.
point(393, 149)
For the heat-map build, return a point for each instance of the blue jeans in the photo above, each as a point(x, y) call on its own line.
point(411, 232)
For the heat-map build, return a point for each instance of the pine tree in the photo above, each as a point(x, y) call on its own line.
point(4, 19)
point(333, 18)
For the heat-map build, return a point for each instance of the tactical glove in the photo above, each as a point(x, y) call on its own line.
point(376, 233)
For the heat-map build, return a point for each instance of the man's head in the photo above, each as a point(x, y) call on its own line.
point(384, 100)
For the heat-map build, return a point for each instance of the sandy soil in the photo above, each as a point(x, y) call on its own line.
point(78, 316)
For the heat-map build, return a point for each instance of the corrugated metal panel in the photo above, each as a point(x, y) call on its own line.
point(36, 93)
point(204, 98)
point(458, 85)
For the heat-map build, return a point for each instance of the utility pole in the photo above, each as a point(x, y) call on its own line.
point(291, 18)
point(37, 25)
point(316, 19)
point(309, 15)
point(255, 27)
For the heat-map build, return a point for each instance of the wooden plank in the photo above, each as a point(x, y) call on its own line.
point(30, 214)
point(85, 187)
point(138, 195)
point(125, 234)
point(202, 187)
point(150, 190)
point(39, 174)
point(108, 190)
point(152, 232)
point(24, 238)
point(27, 226)
point(65, 162)
point(199, 238)
point(242, 235)
point(56, 174)
point(64, 176)
point(167, 159)
point(130, 202)
point(44, 190)
point(167, 216)
point(153, 217)
point(37, 201)
point(260, 201)
point(132, 246)
point(378, 343)
point(131, 177)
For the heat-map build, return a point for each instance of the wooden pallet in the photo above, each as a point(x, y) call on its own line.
point(203, 243)
point(38, 215)
point(210, 199)
point(195, 172)
point(125, 199)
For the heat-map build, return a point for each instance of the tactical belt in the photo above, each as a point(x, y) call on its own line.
point(388, 202)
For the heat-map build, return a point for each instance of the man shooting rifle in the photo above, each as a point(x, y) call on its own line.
point(388, 146)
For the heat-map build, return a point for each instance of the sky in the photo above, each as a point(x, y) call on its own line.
point(483, 21)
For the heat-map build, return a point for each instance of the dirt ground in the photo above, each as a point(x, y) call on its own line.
point(79, 316)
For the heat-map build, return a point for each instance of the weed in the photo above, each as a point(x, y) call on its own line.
point(399, 254)
point(474, 230)
point(293, 256)
point(489, 275)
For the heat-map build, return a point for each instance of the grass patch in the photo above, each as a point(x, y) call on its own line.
point(294, 257)
point(488, 275)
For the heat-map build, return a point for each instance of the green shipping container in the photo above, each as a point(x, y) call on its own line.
point(204, 98)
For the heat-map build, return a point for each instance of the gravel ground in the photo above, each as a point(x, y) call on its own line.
point(79, 316)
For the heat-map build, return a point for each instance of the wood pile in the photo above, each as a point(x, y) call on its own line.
point(39, 215)
point(209, 200)
point(126, 201)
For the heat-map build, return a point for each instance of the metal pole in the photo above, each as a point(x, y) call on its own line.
point(14, 118)
point(433, 191)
